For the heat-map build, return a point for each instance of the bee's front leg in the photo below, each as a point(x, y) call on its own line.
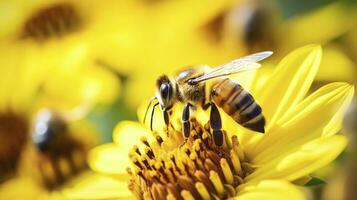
point(166, 116)
point(186, 125)
point(206, 106)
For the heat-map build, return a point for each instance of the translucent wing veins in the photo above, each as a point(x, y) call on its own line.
point(239, 65)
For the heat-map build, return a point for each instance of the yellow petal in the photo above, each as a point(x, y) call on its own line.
point(109, 159)
point(95, 85)
point(336, 65)
point(104, 82)
point(94, 186)
point(263, 74)
point(306, 122)
point(29, 189)
point(189, 14)
point(128, 133)
point(293, 164)
point(20, 81)
point(320, 25)
point(290, 82)
point(145, 83)
point(269, 189)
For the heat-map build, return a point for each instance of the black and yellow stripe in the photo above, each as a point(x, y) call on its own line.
point(239, 104)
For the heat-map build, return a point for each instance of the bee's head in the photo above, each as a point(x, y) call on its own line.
point(49, 129)
point(165, 90)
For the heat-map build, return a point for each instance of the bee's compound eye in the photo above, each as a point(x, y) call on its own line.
point(164, 90)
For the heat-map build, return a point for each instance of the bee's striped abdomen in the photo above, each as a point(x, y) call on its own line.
point(239, 104)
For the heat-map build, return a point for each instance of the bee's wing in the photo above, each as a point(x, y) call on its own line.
point(239, 65)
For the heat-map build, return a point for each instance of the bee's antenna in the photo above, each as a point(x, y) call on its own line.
point(147, 107)
point(152, 115)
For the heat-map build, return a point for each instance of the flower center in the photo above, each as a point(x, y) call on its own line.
point(13, 135)
point(56, 20)
point(197, 169)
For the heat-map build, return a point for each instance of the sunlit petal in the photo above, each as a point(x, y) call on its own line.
point(296, 163)
point(109, 159)
point(305, 122)
point(269, 189)
point(188, 14)
point(336, 65)
point(91, 186)
point(320, 26)
point(290, 82)
point(128, 133)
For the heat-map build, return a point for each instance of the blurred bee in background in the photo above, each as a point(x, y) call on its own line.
point(190, 88)
point(248, 26)
point(59, 156)
point(253, 24)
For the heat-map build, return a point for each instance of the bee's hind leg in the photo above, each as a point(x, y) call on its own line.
point(216, 125)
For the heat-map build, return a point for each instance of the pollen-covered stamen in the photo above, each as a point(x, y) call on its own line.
point(166, 169)
point(54, 20)
point(13, 135)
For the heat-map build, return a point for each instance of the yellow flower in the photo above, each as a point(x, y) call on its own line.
point(259, 26)
point(318, 26)
point(45, 63)
point(300, 138)
point(253, 27)
point(162, 38)
point(45, 32)
point(56, 38)
point(27, 87)
point(159, 38)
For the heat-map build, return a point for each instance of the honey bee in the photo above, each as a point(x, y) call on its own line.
point(190, 88)
point(55, 148)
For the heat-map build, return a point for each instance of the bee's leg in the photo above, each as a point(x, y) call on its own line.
point(166, 116)
point(206, 106)
point(186, 125)
point(171, 125)
point(216, 125)
point(152, 115)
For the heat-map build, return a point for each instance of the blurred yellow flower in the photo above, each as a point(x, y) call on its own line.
point(44, 70)
point(298, 141)
point(161, 37)
point(257, 25)
point(55, 38)
point(168, 35)
point(101, 34)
